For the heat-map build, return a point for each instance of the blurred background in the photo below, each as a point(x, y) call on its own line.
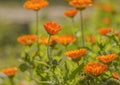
point(15, 21)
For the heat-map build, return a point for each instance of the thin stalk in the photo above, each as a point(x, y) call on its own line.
point(73, 21)
point(82, 29)
point(37, 31)
point(49, 50)
point(11, 81)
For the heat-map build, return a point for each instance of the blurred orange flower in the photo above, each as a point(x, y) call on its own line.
point(66, 39)
point(115, 75)
point(95, 68)
point(44, 41)
point(10, 72)
point(90, 39)
point(107, 8)
point(107, 58)
point(27, 39)
point(80, 4)
point(70, 13)
point(35, 4)
point(104, 31)
point(106, 20)
point(52, 27)
point(74, 54)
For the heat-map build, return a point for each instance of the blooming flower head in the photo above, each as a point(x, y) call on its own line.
point(52, 27)
point(44, 40)
point(107, 8)
point(10, 72)
point(95, 68)
point(66, 39)
point(80, 4)
point(90, 39)
point(70, 13)
point(107, 58)
point(104, 31)
point(74, 54)
point(27, 39)
point(115, 75)
point(35, 4)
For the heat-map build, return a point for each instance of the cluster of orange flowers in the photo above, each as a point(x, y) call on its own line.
point(66, 39)
point(63, 39)
point(71, 12)
point(80, 4)
point(44, 40)
point(95, 68)
point(107, 58)
point(10, 72)
point(52, 27)
point(74, 54)
point(35, 4)
point(106, 31)
point(27, 39)
point(90, 39)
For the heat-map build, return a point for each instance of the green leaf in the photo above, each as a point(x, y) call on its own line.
point(76, 71)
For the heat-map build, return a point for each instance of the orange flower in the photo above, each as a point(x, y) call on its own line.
point(107, 58)
point(66, 39)
point(10, 72)
point(90, 39)
point(52, 27)
point(53, 40)
point(106, 20)
point(27, 39)
point(104, 31)
point(107, 8)
point(70, 13)
point(35, 4)
point(115, 75)
point(95, 68)
point(80, 4)
point(74, 54)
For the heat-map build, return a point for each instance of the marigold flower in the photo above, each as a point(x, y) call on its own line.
point(107, 8)
point(44, 40)
point(104, 31)
point(115, 75)
point(27, 39)
point(74, 54)
point(95, 68)
point(10, 72)
point(106, 20)
point(90, 39)
point(107, 58)
point(35, 4)
point(80, 4)
point(70, 13)
point(66, 39)
point(52, 27)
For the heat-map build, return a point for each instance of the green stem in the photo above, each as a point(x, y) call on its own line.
point(82, 29)
point(49, 50)
point(11, 81)
point(37, 31)
point(73, 22)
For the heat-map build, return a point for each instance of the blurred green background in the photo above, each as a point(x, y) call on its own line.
point(16, 20)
